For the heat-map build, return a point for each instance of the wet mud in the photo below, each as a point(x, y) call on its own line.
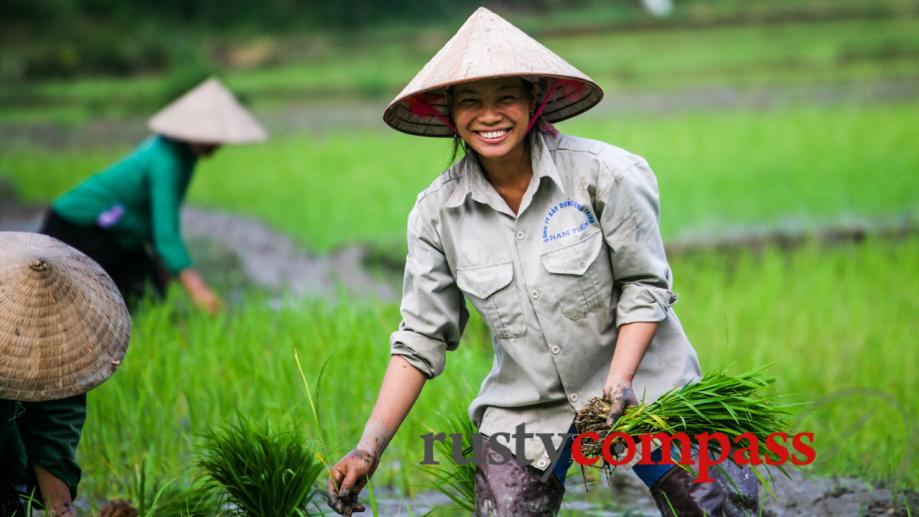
point(624, 495)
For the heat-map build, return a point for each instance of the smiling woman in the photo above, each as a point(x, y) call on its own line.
point(555, 241)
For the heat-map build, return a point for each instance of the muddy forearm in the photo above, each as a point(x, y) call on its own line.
point(401, 386)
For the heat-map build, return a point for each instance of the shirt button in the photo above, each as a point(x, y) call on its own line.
point(521, 235)
point(555, 350)
point(573, 397)
point(542, 463)
point(534, 294)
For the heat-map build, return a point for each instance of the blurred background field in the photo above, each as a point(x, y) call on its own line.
point(757, 117)
point(717, 170)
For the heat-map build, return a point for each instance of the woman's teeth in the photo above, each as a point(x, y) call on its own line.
point(493, 134)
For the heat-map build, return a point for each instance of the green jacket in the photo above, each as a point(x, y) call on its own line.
point(138, 199)
point(44, 434)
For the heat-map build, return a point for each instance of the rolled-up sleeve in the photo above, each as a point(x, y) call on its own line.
point(433, 311)
point(630, 219)
point(50, 432)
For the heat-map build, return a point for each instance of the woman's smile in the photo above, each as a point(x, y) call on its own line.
point(493, 136)
point(491, 115)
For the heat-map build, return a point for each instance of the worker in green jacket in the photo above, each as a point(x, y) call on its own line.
point(57, 307)
point(121, 214)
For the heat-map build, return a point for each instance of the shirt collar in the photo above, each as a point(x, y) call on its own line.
point(472, 179)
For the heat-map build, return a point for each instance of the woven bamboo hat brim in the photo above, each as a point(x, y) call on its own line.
point(208, 114)
point(487, 46)
point(64, 327)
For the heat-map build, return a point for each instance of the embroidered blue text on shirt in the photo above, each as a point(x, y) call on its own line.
point(568, 229)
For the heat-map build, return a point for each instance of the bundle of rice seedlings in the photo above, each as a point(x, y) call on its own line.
point(163, 499)
point(731, 404)
point(260, 471)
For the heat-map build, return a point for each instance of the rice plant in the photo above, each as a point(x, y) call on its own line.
point(731, 404)
point(728, 306)
point(195, 501)
point(171, 501)
point(261, 472)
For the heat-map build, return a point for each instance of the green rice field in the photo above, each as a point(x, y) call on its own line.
point(837, 323)
point(825, 319)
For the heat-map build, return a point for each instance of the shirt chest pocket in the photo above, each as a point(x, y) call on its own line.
point(580, 280)
point(494, 295)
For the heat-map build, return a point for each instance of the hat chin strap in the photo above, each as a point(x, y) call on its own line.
point(542, 105)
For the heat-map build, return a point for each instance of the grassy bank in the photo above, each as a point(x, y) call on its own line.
point(827, 319)
point(716, 170)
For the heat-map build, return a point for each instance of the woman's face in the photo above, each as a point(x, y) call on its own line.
point(492, 116)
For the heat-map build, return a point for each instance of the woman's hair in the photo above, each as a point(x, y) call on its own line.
point(529, 90)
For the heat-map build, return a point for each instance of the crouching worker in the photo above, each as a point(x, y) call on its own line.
point(118, 215)
point(555, 241)
point(64, 329)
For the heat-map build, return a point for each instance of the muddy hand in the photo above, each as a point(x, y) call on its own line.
point(63, 510)
point(345, 505)
point(620, 396)
point(348, 478)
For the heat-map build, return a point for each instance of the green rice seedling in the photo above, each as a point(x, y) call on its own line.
point(199, 500)
point(449, 478)
point(147, 498)
point(164, 500)
point(322, 445)
point(731, 404)
point(31, 501)
point(261, 472)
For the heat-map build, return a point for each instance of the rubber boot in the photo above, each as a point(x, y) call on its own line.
point(514, 490)
point(735, 492)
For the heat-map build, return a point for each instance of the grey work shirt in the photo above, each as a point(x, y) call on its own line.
point(553, 283)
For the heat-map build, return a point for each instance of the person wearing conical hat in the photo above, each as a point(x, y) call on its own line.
point(118, 214)
point(555, 241)
point(64, 329)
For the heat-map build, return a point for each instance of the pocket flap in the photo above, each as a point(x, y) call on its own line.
point(576, 258)
point(483, 281)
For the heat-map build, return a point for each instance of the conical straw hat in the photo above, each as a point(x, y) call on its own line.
point(208, 114)
point(487, 46)
point(64, 327)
